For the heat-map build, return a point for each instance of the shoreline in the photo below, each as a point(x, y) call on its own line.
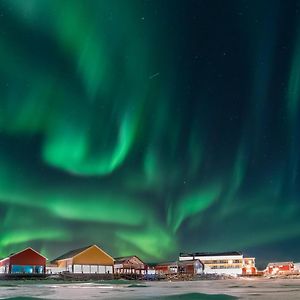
point(174, 278)
point(262, 288)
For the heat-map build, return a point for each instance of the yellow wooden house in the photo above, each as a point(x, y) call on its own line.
point(88, 260)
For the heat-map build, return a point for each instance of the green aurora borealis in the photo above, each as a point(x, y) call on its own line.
point(150, 127)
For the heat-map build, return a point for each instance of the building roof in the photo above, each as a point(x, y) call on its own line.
point(180, 263)
point(277, 264)
point(210, 254)
point(123, 259)
point(152, 264)
point(16, 253)
point(189, 262)
point(172, 263)
point(72, 253)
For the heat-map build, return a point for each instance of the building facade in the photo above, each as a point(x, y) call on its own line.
point(297, 267)
point(230, 263)
point(249, 266)
point(190, 267)
point(27, 261)
point(277, 268)
point(130, 265)
point(166, 268)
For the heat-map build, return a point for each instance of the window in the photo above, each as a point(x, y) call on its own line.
point(16, 269)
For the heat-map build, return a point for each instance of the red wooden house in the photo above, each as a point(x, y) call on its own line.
point(27, 261)
point(191, 267)
point(166, 268)
point(279, 268)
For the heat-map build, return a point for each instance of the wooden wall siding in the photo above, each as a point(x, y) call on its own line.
point(27, 257)
point(64, 263)
point(93, 256)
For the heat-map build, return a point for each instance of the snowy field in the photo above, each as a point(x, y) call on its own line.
point(210, 290)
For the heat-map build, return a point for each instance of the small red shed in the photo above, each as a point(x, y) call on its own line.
point(27, 261)
point(166, 268)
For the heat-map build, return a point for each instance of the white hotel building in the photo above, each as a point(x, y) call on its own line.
point(230, 263)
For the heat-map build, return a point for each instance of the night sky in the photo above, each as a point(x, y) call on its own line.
point(150, 127)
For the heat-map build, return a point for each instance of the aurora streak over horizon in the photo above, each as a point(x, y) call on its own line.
point(150, 127)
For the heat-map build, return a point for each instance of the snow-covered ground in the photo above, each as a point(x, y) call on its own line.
point(240, 288)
